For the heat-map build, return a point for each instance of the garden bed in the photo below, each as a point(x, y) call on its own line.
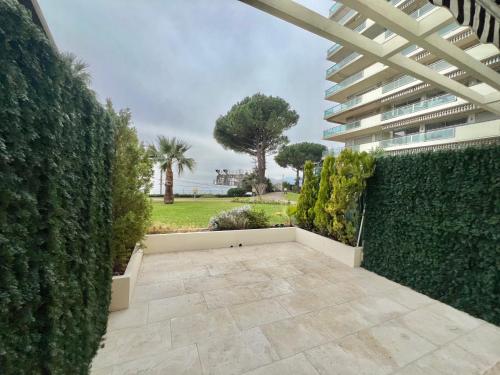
point(122, 287)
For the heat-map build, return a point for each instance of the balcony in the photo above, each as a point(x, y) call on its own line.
point(346, 17)
point(340, 129)
point(334, 8)
point(420, 106)
point(434, 135)
point(341, 107)
point(345, 83)
point(416, 15)
point(341, 64)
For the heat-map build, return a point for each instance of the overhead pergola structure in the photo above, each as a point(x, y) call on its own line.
point(409, 31)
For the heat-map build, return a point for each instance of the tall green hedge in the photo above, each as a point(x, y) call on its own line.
point(433, 223)
point(55, 206)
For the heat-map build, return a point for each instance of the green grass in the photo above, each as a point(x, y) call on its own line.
point(293, 197)
point(188, 213)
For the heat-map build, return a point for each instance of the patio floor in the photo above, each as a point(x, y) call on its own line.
point(286, 309)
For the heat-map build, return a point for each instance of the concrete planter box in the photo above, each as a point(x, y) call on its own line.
point(122, 287)
point(349, 255)
point(160, 243)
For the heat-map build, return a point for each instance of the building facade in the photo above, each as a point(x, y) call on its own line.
point(378, 107)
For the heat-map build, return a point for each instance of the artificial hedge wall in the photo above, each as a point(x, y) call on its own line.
point(55, 207)
point(433, 223)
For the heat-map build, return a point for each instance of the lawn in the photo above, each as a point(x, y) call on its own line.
point(189, 213)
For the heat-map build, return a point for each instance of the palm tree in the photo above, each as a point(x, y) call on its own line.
point(170, 151)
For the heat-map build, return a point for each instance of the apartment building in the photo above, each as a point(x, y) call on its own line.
point(377, 106)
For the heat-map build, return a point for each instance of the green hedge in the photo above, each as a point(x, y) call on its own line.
point(55, 207)
point(433, 223)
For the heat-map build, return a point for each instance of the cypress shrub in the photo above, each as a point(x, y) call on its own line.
point(351, 170)
point(322, 219)
point(55, 216)
point(307, 198)
point(432, 223)
point(132, 173)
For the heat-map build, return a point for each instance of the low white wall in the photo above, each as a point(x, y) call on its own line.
point(160, 243)
point(122, 287)
point(351, 256)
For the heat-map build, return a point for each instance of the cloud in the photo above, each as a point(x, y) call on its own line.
point(180, 64)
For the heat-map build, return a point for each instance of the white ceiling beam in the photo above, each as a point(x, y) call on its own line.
point(307, 19)
point(402, 24)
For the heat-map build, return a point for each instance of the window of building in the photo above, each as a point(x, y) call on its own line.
point(405, 132)
point(445, 124)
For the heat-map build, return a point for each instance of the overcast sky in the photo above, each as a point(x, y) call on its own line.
point(180, 64)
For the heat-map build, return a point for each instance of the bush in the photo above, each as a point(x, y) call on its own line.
point(351, 170)
point(132, 173)
point(56, 146)
point(307, 198)
point(243, 217)
point(432, 223)
point(322, 219)
point(236, 192)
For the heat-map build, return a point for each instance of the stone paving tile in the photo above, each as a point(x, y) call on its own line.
point(236, 354)
point(230, 296)
point(149, 292)
point(286, 309)
point(273, 288)
point(223, 268)
point(181, 361)
point(172, 307)
point(134, 316)
point(408, 298)
point(294, 335)
point(132, 343)
point(296, 365)
point(439, 325)
point(252, 314)
point(205, 283)
point(378, 350)
point(198, 327)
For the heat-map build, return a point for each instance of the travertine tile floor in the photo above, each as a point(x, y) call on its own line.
point(286, 309)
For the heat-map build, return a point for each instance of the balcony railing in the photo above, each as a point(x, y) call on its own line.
point(360, 27)
point(417, 14)
point(341, 63)
point(346, 17)
point(333, 48)
point(342, 107)
point(334, 8)
point(415, 107)
point(449, 28)
point(341, 129)
point(409, 50)
point(404, 80)
point(419, 137)
point(345, 83)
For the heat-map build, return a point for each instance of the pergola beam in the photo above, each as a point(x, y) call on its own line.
point(309, 20)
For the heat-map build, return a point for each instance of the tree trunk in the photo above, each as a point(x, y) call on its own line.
point(297, 180)
point(261, 166)
point(168, 198)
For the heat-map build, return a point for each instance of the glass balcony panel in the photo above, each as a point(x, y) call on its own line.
point(420, 137)
point(342, 107)
point(409, 50)
point(333, 48)
point(420, 106)
point(448, 29)
point(347, 17)
point(404, 80)
point(341, 129)
point(341, 63)
point(334, 8)
point(345, 83)
point(421, 11)
point(360, 27)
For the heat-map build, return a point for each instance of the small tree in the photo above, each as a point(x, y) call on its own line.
point(322, 218)
point(255, 126)
point(295, 156)
point(171, 151)
point(132, 173)
point(307, 198)
point(352, 169)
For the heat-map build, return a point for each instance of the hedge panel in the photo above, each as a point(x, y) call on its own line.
point(433, 224)
point(55, 206)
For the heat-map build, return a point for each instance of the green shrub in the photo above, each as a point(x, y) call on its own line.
point(351, 171)
point(56, 146)
point(236, 192)
point(307, 198)
point(243, 217)
point(432, 223)
point(132, 172)
point(322, 218)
